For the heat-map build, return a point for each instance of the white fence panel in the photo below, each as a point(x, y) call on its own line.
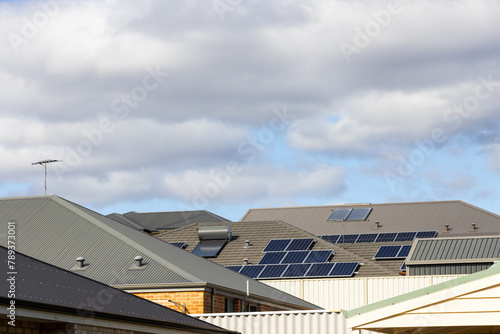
point(294, 322)
point(349, 293)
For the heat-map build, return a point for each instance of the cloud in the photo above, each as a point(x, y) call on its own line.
point(238, 182)
point(226, 79)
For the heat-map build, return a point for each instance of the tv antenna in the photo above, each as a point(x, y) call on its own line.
point(44, 163)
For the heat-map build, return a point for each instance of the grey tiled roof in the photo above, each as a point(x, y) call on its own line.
point(260, 233)
point(57, 231)
point(47, 287)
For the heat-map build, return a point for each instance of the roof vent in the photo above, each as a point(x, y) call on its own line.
point(377, 226)
point(245, 262)
point(447, 228)
point(138, 261)
point(473, 227)
point(247, 244)
point(80, 264)
point(138, 264)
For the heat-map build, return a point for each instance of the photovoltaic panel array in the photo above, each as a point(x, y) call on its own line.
point(181, 244)
point(318, 256)
point(386, 237)
point(330, 238)
point(296, 257)
point(282, 245)
point(348, 238)
point(377, 237)
point(427, 234)
point(370, 237)
point(392, 252)
point(273, 271)
point(252, 271)
point(300, 244)
point(403, 267)
point(298, 270)
point(235, 268)
point(277, 245)
point(272, 258)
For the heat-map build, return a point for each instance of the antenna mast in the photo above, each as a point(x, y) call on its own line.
point(44, 163)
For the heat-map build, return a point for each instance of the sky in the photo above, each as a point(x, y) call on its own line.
point(227, 105)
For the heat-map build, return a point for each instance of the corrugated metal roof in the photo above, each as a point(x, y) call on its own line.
point(447, 269)
point(159, 221)
point(39, 283)
point(455, 250)
point(58, 231)
point(393, 217)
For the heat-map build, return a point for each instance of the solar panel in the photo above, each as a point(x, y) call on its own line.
point(331, 238)
point(181, 244)
point(367, 237)
point(209, 248)
point(273, 271)
point(405, 236)
point(295, 257)
point(344, 269)
point(386, 237)
point(272, 258)
point(427, 234)
point(348, 238)
point(339, 214)
point(359, 214)
point(296, 270)
point(387, 252)
point(318, 256)
point(252, 271)
point(404, 251)
point(403, 267)
point(235, 268)
point(319, 269)
point(300, 244)
point(277, 245)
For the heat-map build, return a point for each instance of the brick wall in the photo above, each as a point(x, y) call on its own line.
point(196, 302)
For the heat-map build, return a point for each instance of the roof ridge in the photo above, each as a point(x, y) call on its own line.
point(354, 204)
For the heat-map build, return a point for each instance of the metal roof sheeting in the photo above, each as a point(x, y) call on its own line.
point(452, 256)
point(449, 250)
point(58, 231)
point(47, 286)
point(392, 217)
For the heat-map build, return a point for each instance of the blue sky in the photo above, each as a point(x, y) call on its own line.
point(230, 105)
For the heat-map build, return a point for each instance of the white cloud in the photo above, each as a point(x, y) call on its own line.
point(236, 183)
point(226, 79)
